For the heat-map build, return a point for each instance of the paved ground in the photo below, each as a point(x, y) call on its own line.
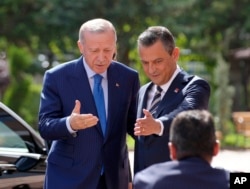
point(233, 160)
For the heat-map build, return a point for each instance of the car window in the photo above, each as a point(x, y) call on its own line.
point(16, 134)
point(10, 140)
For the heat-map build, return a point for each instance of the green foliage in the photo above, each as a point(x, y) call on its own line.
point(50, 27)
point(222, 106)
point(133, 56)
point(233, 140)
point(29, 110)
point(23, 95)
point(19, 61)
point(130, 142)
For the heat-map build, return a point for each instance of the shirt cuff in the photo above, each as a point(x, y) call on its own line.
point(69, 127)
point(162, 127)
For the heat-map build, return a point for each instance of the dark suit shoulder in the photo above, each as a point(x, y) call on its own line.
point(73, 68)
point(64, 66)
point(171, 173)
point(121, 67)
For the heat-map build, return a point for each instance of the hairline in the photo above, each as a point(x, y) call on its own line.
point(96, 26)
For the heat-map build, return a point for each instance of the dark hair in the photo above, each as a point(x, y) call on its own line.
point(154, 33)
point(193, 134)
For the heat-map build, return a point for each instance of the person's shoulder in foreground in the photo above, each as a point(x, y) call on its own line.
point(192, 146)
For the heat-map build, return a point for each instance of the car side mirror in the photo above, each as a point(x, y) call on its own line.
point(25, 163)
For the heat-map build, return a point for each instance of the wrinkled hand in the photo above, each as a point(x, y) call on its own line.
point(147, 125)
point(81, 121)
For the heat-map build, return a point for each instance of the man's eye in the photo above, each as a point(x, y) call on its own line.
point(158, 61)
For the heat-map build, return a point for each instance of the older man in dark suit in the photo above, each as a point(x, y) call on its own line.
point(87, 107)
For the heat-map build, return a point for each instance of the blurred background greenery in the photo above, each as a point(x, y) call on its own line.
point(213, 35)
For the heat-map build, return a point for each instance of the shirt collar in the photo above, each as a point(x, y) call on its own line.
point(166, 85)
point(90, 72)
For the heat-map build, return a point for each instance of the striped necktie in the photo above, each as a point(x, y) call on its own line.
point(156, 100)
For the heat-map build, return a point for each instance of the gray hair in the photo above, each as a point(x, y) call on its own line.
point(98, 25)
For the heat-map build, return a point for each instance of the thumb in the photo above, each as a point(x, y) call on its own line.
point(77, 107)
point(147, 113)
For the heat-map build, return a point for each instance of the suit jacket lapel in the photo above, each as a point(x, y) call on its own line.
point(175, 88)
point(115, 82)
point(169, 98)
point(84, 93)
point(143, 99)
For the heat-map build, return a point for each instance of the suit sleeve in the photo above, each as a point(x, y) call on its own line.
point(194, 96)
point(51, 123)
point(133, 106)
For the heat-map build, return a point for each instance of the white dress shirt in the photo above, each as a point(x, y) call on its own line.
point(164, 90)
point(90, 75)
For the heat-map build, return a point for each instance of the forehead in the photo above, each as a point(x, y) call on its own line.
point(106, 38)
point(152, 52)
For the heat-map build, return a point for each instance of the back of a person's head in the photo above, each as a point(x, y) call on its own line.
point(192, 132)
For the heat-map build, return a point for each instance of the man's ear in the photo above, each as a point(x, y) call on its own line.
point(172, 149)
point(80, 47)
point(216, 147)
point(176, 53)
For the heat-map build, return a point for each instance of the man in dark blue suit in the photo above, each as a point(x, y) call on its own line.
point(192, 146)
point(176, 91)
point(88, 147)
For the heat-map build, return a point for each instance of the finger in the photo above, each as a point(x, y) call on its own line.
point(77, 107)
point(141, 129)
point(147, 113)
point(137, 124)
point(137, 131)
point(92, 121)
point(139, 121)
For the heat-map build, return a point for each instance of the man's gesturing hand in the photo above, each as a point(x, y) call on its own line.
point(147, 125)
point(81, 121)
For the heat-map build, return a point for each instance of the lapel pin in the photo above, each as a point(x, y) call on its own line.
point(117, 85)
point(176, 90)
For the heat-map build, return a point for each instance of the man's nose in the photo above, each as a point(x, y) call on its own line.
point(101, 56)
point(151, 68)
